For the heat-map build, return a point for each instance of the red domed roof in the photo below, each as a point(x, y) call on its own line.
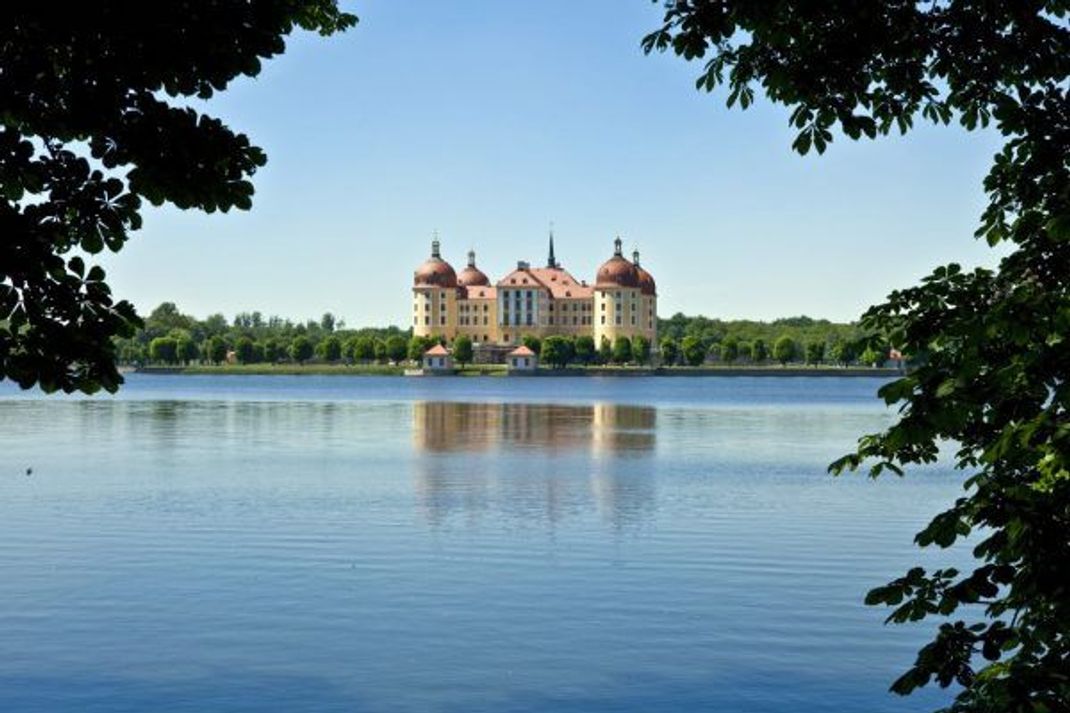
point(617, 272)
point(646, 282)
point(435, 272)
point(472, 276)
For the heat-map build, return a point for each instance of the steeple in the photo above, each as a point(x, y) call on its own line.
point(471, 258)
point(434, 247)
point(635, 258)
point(617, 249)
point(551, 261)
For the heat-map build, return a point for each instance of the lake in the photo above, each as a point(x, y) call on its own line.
point(241, 543)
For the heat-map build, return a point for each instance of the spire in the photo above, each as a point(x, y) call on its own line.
point(471, 258)
point(434, 247)
point(551, 261)
point(617, 249)
point(635, 258)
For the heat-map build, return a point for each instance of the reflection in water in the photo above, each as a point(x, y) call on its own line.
point(443, 426)
point(534, 462)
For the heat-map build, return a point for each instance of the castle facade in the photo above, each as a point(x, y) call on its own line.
point(540, 301)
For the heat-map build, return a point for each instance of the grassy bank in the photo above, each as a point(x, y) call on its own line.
point(500, 370)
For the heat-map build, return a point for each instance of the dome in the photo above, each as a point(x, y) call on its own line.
point(472, 276)
point(616, 271)
point(435, 272)
point(646, 280)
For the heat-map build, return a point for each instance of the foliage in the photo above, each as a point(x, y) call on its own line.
point(729, 350)
point(815, 352)
point(396, 348)
point(622, 350)
point(417, 346)
point(329, 349)
point(186, 350)
point(363, 349)
point(605, 351)
point(841, 352)
point(693, 351)
point(584, 349)
point(640, 349)
point(532, 342)
point(216, 350)
point(991, 357)
point(164, 349)
point(557, 351)
point(97, 118)
point(871, 357)
point(670, 351)
point(716, 331)
point(784, 349)
point(462, 350)
point(301, 349)
point(758, 351)
point(244, 352)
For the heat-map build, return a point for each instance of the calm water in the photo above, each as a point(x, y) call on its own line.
point(377, 544)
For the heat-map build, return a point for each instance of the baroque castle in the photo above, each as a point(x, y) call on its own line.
point(540, 301)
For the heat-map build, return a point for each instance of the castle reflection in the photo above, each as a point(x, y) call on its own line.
point(535, 462)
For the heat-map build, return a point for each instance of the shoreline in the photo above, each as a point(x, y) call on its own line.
point(499, 370)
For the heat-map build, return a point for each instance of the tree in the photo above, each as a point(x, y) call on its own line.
point(300, 349)
point(841, 352)
point(872, 357)
point(417, 346)
point(327, 322)
point(462, 350)
point(243, 350)
point(532, 342)
point(729, 351)
point(815, 352)
point(330, 349)
point(670, 351)
point(216, 350)
point(164, 349)
point(186, 350)
point(622, 350)
point(989, 347)
point(584, 350)
point(272, 352)
point(605, 351)
point(382, 354)
point(396, 348)
point(641, 349)
point(364, 350)
point(784, 350)
point(95, 120)
point(692, 350)
point(556, 351)
point(758, 351)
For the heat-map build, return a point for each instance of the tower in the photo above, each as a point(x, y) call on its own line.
point(551, 261)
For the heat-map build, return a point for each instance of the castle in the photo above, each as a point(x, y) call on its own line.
point(540, 301)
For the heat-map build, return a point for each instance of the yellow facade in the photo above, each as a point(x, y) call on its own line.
point(541, 302)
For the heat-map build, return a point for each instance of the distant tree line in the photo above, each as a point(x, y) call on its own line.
point(170, 337)
point(694, 341)
point(173, 338)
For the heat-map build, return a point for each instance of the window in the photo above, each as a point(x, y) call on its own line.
point(427, 319)
point(442, 320)
point(603, 319)
point(415, 320)
point(603, 306)
point(618, 320)
point(529, 319)
point(633, 319)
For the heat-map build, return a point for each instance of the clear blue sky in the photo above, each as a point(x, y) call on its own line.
point(486, 120)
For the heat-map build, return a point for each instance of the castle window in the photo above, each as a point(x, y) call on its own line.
point(427, 319)
point(603, 319)
point(442, 320)
point(618, 320)
point(415, 320)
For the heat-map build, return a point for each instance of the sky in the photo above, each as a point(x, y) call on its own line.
point(486, 121)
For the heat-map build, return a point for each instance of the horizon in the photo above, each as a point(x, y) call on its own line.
point(412, 131)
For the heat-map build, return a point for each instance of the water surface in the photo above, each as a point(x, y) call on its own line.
point(382, 544)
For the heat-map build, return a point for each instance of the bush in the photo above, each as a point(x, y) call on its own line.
point(784, 350)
